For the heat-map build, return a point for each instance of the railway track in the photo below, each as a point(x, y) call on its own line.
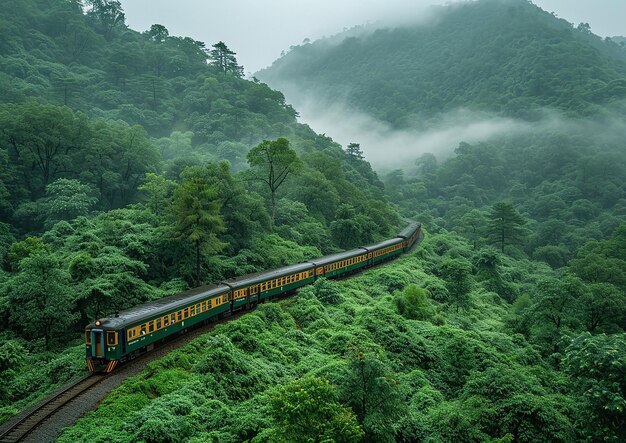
point(32, 418)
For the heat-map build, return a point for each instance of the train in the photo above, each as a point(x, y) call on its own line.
point(113, 340)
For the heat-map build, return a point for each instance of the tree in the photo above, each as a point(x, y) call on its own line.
point(456, 273)
point(40, 298)
point(158, 33)
point(224, 59)
point(354, 151)
point(66, 199)
point(195, 213)
point(413, 303)
point(473, 225)
point(556, 301)
point(351, 228)
point(505, 225)
point(26, 248)
point(372, 392)
point(601, 304)
point(272, 162)
point(158, 189)
point(108, 12)
point(306, 410)
point(597, 366)
point(43, 138)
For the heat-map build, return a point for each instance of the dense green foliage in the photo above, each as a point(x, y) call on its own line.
point(506, 326)
point(506, 56)
point(124, 178)
point(364, 364)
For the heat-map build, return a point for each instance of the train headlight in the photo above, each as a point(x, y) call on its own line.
point(98, 323)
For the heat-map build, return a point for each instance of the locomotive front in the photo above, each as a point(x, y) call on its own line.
point(102, 345)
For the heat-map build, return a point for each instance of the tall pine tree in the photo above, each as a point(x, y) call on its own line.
point(224, 59)
point(505, 225)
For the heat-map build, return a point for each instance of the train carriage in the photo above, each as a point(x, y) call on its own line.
point(410, 235)
point(114, 339)
point(338, 264)
point(250, 289)
point(384, 250)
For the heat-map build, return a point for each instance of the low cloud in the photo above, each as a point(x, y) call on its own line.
point(386, 147)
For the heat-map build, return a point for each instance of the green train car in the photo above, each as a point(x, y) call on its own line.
point(113, 340)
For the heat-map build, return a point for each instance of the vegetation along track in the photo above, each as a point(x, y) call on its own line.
point(45, 421)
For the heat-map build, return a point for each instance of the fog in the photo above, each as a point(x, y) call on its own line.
point(389, 148)
point(386, 147)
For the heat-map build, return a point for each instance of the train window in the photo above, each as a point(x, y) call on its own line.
point(158, 323)
point(143, 329)
point(166, 320)
point(192, 311)
point(150, 326)
point(179, 315)
point(111, 338)
point(87, 337)
point(173, 318)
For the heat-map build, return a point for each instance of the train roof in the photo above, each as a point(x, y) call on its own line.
point(382, 244)
point(259, 277)
point(162, 306)
point(337, 257)
point(409, 230)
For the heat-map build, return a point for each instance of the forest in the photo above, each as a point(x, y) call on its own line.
point(507, 57)
point(135, 165)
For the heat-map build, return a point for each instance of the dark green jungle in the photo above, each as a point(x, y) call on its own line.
point(128, 173)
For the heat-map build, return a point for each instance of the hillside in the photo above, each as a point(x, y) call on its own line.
point(502, 56)
point(399, 353)
point(559, 91)
point(103, 92)
point(125, 177)
point(132, 167)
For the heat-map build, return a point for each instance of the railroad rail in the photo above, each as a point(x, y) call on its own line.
point(38, 414)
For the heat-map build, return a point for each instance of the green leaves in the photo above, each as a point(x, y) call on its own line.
point(307, 410)
point(597, 366)
point(195, 212)
point(505, 225)
point(272, 162)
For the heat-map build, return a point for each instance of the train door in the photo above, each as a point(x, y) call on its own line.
point(97, 343)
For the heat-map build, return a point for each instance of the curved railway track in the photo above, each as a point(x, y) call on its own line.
point(38, 414)
point(45, 421)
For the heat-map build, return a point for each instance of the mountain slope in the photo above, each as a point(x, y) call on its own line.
point(505, 56)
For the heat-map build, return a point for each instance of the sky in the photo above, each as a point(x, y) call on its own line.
point(259, 30)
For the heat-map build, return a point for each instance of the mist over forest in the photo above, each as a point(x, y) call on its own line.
point(139, 165)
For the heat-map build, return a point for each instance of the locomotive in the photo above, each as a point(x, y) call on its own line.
point(113, 340)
